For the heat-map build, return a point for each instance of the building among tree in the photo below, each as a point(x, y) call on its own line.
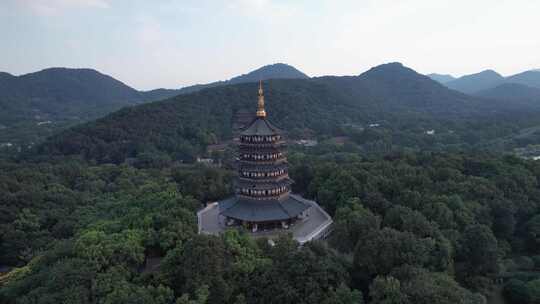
point(263, 202)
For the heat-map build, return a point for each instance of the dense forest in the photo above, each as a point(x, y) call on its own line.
point(421, 227)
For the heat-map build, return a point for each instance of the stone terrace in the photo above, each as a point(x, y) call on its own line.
point(316, 226)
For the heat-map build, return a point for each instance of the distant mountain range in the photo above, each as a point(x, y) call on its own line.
point(479, 83)
point(82, 92)
point(34, 105)
point(402, 102)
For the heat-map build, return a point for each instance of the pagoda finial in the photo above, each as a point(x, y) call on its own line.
point(260, 110)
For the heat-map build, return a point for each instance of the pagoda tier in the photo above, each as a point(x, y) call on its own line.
point(273, 169)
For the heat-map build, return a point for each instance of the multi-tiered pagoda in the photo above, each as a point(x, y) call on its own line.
point(263, 200)
point(263, 186)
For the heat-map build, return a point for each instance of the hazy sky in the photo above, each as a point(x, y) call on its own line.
point(168, 43)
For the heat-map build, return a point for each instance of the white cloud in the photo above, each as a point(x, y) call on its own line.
point(264, 9)
point(57, 7)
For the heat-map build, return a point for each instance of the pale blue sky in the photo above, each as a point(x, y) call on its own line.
point(167, 43)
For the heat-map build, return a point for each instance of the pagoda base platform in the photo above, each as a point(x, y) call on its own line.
point(316, 225)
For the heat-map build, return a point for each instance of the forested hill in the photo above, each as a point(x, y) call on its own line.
point(36, 105)
point(476, 82)
point(61, 92)
point(395, 85)
point(271, 71)
point(33, 106)
point(402, 102)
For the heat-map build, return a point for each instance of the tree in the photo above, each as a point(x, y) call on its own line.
point(337, 189)
point(105, 250)
point(343, 295)
point(201, 297)
point(424, 287)
point(381, 251)
point(533, 233)
point(125, 292)
point(405, 219)
point(440, 214)
point(533, 291)
point(387, 290)
point(504, 221)
point(307, 274)
point(202, 260)
point(479, 250)
point(516, 292)
point(351, 223)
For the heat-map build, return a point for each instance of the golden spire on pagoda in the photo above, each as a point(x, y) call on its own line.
point(260, 110)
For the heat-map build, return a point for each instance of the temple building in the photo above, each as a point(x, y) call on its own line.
point(263, 202)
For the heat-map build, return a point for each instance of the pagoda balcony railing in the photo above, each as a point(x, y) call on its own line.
point(267, 154)
point(261, 148)
point(266, 161)
point(264, 179)
point(263, 167)
point(280, 143)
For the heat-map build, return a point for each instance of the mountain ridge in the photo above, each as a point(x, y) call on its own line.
point(270, 71)
point(441, 78)
point(35, 105)
point(489, 79)
point(476, 82)
point(183, 125)
point(528, 78)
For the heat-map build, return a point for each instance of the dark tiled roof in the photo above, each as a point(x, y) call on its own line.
point(260, 126)
point(263, 210)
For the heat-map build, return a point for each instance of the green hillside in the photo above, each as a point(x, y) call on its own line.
point(36, 105)
point(403, 104)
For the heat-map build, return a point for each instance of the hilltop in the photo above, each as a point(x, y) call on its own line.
point(271, 71)
point(476, 82)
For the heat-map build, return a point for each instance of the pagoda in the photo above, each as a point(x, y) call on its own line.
point(263, 201)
